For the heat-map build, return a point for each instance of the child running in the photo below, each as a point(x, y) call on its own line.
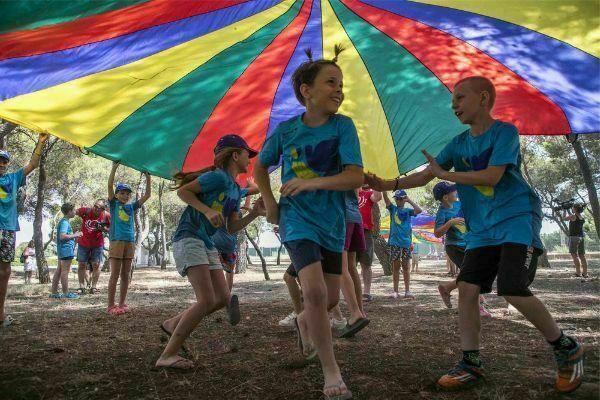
point(450, 224)
point(213, 200)
point(122, 238)
point(10, 182)
point(65, 247)
point(226, 244)
point(504, 218)
point(400, 239)
point(320, 161)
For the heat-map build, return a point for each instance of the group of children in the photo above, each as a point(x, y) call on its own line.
point(321, 170)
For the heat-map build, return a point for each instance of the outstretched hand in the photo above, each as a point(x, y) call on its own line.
point(259, 207)
point(296, 186)
point(374, 182)
point(434, 167)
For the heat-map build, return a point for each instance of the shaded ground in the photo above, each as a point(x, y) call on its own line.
point(74, 350)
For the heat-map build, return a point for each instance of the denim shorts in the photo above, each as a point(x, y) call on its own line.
point(90, 254)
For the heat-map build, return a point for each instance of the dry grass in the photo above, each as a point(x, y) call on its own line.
point(73, 350)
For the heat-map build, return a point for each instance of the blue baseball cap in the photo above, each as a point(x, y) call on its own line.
point(123, 186)
point(236, 142)
point(5, 154)
point(400, 193)
point(443, 188)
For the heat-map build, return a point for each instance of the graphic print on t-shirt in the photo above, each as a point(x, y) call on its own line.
point(5, 190)
point(123, 215)
point(478, 163)
point(317, 161)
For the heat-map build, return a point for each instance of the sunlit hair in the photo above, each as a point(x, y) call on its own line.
point(308, 71)
point(481, 84)
point(221, 161)
point(66, 208)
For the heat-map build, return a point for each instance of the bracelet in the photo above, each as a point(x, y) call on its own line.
point(396, 185)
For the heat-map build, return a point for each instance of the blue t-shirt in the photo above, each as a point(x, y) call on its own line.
point(510, 212)
point(220, 192)
point(122, 226)
point(9, 185)
point(400, 226)
point(307, 153)
point(352, 210)
point(64, 248)
point(224, 241)
point(456, 234)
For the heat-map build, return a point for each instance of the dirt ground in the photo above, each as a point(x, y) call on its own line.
point(61, 349)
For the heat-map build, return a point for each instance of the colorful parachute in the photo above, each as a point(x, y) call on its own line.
point(422, 228)
point(156, 83)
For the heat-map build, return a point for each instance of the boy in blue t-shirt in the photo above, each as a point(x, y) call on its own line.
point(400, 239)
point(9, 223)
point(122, 238)
point(320, 157)
point(503, 215)
point(65, 246)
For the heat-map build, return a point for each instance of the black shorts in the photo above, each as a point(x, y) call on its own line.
point(291, 271)
point(514, 264)
point(306, 252)
point(456, 254)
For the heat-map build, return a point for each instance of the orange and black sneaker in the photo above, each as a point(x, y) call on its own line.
point(570, 368)
point(462, 376)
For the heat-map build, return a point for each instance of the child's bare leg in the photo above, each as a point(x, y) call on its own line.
point(294, 291)
point(125, 277)
point(536, 313)
point(356, 280)
point(577, 263)
point(468, 316)
point(406, 274)
point(115, 271)
point(396, 274)
point(584, 265)
point(348, 291)
point(64, 275)
point(4, 277)
point(367, 275)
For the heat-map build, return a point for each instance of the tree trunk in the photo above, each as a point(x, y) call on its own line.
point(588, 178)
point(38, 220)
point(6, 128)
point(279, 249)
point(161, 221)
point(262, 259)
point(379, 243)
point(241, 263)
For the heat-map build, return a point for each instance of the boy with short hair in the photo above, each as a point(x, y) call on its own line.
point(9, 223)
point(400, 239)
point(504, 218)
point(65, 246)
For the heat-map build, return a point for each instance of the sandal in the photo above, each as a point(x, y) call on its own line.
point(308, 351)
point(169, 334)
point(343, 396)
point(177, 365)
point(81, 291)
point(124, 308)
point(351, 330)
point(94, 290)
point(114, 310)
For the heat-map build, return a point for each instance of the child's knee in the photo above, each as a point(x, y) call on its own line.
point(315, 296)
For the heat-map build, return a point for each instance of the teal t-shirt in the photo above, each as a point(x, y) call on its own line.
point(224, 241)
point(122, 217)
point(456, 234)
point(307, 153)
point(400, 226)
point(352, 210)
point(220, 192)
point(64, 248)
point(510, 212)
point(9, 185)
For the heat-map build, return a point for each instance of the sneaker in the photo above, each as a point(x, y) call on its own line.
point(483, 312)
point(56, 296)
point(460, 377)
point(289, 320)
point(338, 324)
point(394, 295)
point(71, 296)
point(408, 295)
point(570, 368)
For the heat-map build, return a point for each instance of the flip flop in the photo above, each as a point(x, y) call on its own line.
point(173, 365)
point(344, 396)
point(169, 334)
point(234, 310)
point(312, 352)
point(351, 330)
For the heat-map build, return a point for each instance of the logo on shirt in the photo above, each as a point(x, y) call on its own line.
point(478, 163)
point(318, 160)
point(224, 204)
point(5, 190)
point(124, 214)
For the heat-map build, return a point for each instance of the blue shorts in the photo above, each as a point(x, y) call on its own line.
point(306, 252)
point(69, 258)
point(90, 254)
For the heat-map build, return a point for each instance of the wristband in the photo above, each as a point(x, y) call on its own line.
point(396, 185)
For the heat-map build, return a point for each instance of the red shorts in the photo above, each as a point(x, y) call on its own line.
point(355, 238)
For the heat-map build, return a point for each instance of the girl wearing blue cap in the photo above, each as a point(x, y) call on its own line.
point(213, 199)
point(9, 223)
point(400, 239)
point(122, 238)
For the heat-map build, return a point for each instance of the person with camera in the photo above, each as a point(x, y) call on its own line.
point(576, 243)
point(95, 222)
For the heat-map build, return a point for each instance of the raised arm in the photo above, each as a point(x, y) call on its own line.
point(34, 162)
point(111, 180)
point(376, 196)
point(567, 216)
point(386, 199)
point(416, 209)
point(148, 191)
